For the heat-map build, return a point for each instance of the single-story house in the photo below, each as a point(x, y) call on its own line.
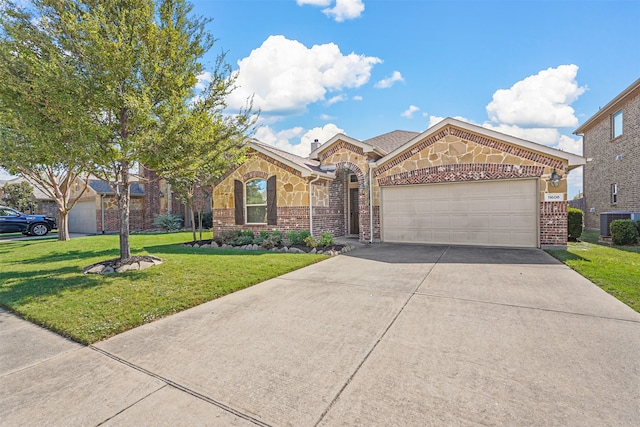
point(455, 183)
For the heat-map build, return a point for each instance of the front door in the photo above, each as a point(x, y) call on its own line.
point(354, 212)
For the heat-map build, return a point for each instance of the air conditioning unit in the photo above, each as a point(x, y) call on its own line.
point(607, 217)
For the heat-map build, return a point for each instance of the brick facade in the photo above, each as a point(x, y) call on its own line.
point(454, 153)
point(613, 160)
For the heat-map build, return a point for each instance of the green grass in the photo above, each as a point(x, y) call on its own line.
point(616, 269)
point(42, 281)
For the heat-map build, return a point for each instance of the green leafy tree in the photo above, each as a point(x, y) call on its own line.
point(139, 60)
point(19, 196)
point(202, 142)
point(46, 129)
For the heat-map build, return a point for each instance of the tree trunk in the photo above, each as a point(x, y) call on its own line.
point(123, 208)
point(193, 220)
point(63, 225)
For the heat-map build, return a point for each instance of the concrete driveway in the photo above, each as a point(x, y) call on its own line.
point(384, 335)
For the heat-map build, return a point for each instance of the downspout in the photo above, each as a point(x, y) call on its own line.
point(370, 203)
point(311, 203)
point(102, 213)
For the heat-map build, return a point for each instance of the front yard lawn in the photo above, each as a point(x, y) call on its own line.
point(42, 280)
point(616, 269)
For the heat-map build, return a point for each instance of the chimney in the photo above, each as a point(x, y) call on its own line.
point(314, 145)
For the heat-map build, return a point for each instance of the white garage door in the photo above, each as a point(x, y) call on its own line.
point(82, 218)
point(491, 213)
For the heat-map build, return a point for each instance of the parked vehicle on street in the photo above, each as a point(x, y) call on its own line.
point(13, 221)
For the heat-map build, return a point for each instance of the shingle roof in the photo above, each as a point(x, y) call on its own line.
point(305, 162)
point(391, 140)
point(102, 187)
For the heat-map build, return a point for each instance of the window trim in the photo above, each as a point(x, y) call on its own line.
point(614, 194)
point(247, 205)
point(613, 124)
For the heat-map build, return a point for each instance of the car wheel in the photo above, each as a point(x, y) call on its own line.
point(39, 229)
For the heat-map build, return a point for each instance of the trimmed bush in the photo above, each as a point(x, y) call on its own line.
point(297, 237)
point(326, 239)
point(574, 223)
point(169, 222)
point(623, 232)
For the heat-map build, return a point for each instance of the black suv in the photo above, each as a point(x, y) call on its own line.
point(12, 221)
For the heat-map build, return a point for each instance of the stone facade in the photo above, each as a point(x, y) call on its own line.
point(454, 152)
point(613, 160)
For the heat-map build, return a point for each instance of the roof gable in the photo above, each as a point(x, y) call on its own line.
point(306, 166)
point(485, 136)
point(608, 109)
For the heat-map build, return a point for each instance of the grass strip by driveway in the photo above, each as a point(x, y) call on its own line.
point(616, 269)
point(42, 280)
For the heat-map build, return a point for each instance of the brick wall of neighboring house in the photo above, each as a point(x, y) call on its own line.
point(111, 215)
point(614, 161)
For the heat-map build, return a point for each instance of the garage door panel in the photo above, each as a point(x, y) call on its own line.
point(502, 213)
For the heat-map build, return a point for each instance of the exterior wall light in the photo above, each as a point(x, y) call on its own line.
point(554, 179)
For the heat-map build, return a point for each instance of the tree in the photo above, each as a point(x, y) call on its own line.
point(19, 196)
point(202, 142)
point(139, 60)
point(46, 129)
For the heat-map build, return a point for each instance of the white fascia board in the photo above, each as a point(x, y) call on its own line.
point(306, 173)
point(573, 160)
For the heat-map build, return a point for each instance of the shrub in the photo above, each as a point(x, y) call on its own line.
point(326, 239)
point(169, 222)
point(277, 237)
point(246, 238)
point(297, 237)
point(623, 232)
point(311, 241)
point(207, 220)
point(227, 237)
point(575, 224)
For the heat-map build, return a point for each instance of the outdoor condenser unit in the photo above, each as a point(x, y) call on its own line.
point(607, 217)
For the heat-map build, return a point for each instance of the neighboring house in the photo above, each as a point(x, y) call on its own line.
point(611, 140)
point(44, 204)
point(455, 183)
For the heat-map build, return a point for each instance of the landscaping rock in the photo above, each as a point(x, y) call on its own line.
point(296, 251)
point(96, 269)
point(127, 267)
point(214, 245)
point(107, 270)
point(206, 245)
point(313, 251)
point(195, 245)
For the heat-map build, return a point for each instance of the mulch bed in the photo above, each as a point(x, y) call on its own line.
point(304, 248)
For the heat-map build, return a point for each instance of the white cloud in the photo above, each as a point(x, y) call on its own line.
point(322, 3)
point(409, 112)
point(302, 145)
point(541, 100)
point(434, 120)
point(335, 99)
point(285, 76)
point(357, 98)
point(204, 79)
point(326, 117)
point(343, 9)
point(389, 81)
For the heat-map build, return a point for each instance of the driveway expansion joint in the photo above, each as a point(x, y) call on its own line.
point(384, 333)
point(180, 387)
point(527, 307)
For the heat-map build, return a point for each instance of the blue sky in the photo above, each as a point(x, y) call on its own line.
point(533, 69)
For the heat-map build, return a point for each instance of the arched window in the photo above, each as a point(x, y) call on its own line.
point(256, 201)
